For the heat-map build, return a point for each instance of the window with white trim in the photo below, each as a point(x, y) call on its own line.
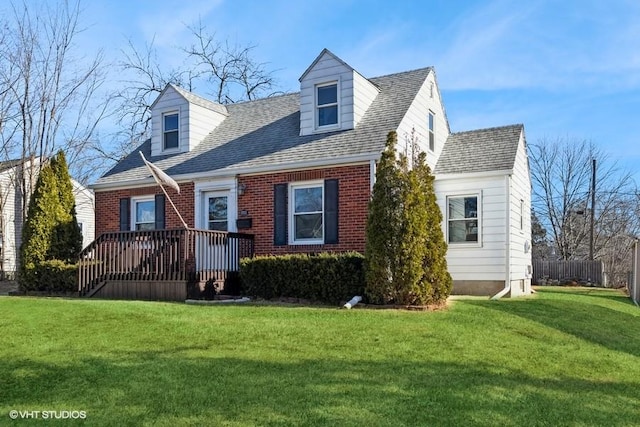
point(432, 134)
point(170, 134)
point(218, 213)
point(143, 213)
point(306, 213)
point(327, 105)
point(462, 219)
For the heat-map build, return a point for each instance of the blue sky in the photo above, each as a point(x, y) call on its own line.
point(563, 68)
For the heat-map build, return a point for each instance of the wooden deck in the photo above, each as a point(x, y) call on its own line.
point(168, 265)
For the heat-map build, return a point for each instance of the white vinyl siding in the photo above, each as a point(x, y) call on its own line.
point(195, 122)
point(417, 118)
point(520, 238)
point(484, 260)
point(355, 94)
point(85, 212)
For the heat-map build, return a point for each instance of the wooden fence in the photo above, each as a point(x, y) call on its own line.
point(581, 272)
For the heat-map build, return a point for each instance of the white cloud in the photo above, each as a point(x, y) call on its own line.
point(543, 44)
point(165, 21)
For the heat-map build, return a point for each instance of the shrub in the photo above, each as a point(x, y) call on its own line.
point(51, 276)
point(326, 277)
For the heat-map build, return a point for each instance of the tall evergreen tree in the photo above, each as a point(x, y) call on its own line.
point(67, 237)
point(436, 280)
point(383, 227)
point(405, 250)
point(44, 209)
point(51, 230)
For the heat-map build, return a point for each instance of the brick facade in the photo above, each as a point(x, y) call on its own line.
point(257, 203)
point(353, 190)
point(108, 202)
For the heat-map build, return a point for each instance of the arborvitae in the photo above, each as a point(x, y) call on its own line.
point(383, 227)
point(51, 230)
point(42, 218)
point(436, 281)
point(67, 238)
point(405, 250)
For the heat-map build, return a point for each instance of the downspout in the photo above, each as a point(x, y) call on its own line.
point(507, 282)
point(372, 175)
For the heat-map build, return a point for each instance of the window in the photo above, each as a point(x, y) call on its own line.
point(307, 216)
point(432, 135)
point(217, 217)
point(170, 131)
point(462, 215)
point(327, 104)
point(521, 214)
point(144, 214)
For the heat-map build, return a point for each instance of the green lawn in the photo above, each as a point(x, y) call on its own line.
point(561, 357)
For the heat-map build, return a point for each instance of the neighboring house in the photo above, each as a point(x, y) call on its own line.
point(14, 174)
point(297, 170)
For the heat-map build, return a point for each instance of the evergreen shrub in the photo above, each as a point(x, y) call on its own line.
point(326, 277)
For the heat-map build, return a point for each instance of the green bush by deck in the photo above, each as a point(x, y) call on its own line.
point(51, 239)
point(326, 277)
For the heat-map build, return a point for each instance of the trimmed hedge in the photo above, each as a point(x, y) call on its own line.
point(51, 276)
point(326, 277)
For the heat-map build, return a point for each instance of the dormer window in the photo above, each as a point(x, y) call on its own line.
point(327, 105)
point(170, 131)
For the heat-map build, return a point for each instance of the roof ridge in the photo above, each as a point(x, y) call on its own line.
point(429, 68)
point(514, 125)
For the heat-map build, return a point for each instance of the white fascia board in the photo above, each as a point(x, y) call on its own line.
point(485, 174)
point(251, 170)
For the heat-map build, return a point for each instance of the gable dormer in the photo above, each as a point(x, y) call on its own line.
point(180, 120)
point(333, 96)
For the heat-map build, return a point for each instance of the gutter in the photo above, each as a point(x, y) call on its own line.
point(507, 282)
point(249, 170)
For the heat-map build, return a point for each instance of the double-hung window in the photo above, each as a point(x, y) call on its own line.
point(462, 218)
point(143, 214)
point(170, 137)
point(327, 104)
point(432, 135)
point(306, 213)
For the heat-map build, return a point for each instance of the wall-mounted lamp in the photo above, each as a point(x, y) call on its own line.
point(242, 187)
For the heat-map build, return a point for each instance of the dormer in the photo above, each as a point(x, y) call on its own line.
point(333, 96)
point(180, 120)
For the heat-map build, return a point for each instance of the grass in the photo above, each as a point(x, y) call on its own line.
point(562, 357)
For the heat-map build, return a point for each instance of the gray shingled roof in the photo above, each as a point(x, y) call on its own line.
point(198, 100)
point(266, 133)
point(492, 149)
point(8, 164)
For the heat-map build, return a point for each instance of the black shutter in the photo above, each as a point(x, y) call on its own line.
point(124, 214)
point(280, 214)
point(331, 211)
point(160, 223)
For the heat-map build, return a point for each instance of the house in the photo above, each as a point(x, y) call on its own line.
point(13, 175)
point(296, 171)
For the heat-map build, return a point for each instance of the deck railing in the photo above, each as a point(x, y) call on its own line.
point(161, 255)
